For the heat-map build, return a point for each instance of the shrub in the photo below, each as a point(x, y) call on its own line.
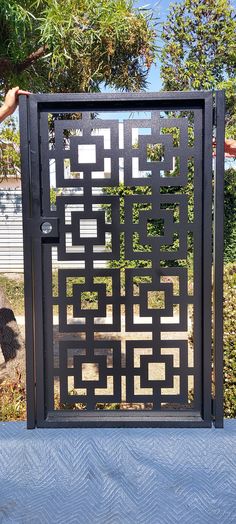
point(230, 215)
point(14, 292)
point(230, 341)
point(13, 399)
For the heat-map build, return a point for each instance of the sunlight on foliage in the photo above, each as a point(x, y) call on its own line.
point(76, 45)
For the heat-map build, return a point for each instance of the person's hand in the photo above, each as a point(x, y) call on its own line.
point(230, 147)
point(11, 102)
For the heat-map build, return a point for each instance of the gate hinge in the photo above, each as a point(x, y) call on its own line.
point(213, 408)
point(214, 116)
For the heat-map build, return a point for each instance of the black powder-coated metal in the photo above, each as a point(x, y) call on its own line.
point(161, 191)
point(218, 259)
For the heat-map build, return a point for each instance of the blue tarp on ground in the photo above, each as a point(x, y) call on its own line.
point(117, 476)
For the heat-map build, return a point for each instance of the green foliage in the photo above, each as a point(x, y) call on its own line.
point(154, 227)
point(123, 191)
point(54, 193)
point(199, 38)
point(13, 399)
point(53, 196)
point(9, 150)
point(14, 291)
point(75, 45)
point(199, 50)
point(230, 341)
point(230, 215)
point(108, 407)
point(230, 118)
point(89, 300)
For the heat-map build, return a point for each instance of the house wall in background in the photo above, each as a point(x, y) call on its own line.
point(11, 233)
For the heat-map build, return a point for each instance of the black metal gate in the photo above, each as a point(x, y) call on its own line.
point(117, 204)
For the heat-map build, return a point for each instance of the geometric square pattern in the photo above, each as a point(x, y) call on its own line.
point(128, 202)
point(95, 371)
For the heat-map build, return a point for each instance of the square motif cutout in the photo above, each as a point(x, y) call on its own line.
point(87, 154)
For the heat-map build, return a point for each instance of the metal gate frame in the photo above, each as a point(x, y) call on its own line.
point(212, 408)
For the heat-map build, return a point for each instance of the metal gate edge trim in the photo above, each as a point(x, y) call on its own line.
point(218, 260)
point(28, 268)
point(207, 256)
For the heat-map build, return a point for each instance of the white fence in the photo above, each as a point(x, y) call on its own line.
point(11, 234)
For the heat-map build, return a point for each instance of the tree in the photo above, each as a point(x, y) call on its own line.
point(199, 50)
point(230, 93)
point(199, 53)
point(199, 44)
point(230, 215)
point(9, 150)
point(75, 45)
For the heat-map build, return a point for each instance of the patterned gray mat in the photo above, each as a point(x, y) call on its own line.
point(117, 476)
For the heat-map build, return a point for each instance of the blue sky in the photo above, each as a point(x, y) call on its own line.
point(162, 9)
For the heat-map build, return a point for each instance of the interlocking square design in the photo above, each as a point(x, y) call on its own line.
point(90, 386)
point(106, 322)
point(128, 207)
point(78, 233)
point(87, 128)
point(149, 376)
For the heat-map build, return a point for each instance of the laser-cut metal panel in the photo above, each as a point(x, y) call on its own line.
point(121, 282)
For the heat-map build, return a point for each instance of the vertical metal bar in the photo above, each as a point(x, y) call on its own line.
point(46, 266)
point(218, 258)
point(207, 257)
point(37, 259)
point(28, 268)
point(198, 253)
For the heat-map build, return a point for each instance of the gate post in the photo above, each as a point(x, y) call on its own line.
point(218, 259)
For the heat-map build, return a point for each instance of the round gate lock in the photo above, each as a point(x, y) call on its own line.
point(46, 228)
